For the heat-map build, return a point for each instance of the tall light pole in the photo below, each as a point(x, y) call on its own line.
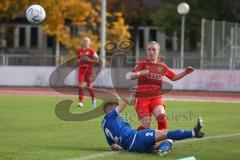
point(103, 32)
point(183, 9)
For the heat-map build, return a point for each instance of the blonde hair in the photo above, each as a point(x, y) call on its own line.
point(154, 43)
point(87, 38)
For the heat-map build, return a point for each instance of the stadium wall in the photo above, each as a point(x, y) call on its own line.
point(202, 80)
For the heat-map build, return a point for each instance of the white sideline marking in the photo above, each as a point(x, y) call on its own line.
point(210, 137)
point(95, 156)
point(188, 158)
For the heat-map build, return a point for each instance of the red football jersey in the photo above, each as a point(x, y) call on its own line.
point(155, 75)
point(83, 53)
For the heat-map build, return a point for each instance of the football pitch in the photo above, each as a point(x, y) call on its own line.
point(30, 130)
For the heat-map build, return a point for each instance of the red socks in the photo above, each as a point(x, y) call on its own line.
point(81, 94)
point(139, 128)
point(162, 122)
point(92, 93)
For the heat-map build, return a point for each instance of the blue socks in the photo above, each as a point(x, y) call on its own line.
point(180, 134)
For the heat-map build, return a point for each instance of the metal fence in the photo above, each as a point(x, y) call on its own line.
point(220, 44)
point(124, 61)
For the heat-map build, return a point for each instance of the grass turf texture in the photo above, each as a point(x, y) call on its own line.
point(30, 130)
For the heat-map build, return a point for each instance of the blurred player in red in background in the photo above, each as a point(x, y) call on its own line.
point(87, 57)
point(149, 73)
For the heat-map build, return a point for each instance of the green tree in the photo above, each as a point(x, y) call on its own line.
point(169, 21)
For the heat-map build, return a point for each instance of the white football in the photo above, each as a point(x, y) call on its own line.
point(35, 14)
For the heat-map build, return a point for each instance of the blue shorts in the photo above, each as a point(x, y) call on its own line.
point(144, 141)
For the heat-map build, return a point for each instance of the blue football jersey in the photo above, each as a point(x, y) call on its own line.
point(117, 130)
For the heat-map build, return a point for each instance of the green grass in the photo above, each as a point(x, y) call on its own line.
point(30, 130)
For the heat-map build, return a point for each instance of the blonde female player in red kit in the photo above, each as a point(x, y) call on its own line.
point(87, 57)
point(149, 73)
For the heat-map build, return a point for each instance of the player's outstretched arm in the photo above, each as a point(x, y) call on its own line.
point(121, 107)
point(123, 104)
point(180, 75)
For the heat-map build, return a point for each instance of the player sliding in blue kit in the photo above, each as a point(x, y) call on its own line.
point(121, 136)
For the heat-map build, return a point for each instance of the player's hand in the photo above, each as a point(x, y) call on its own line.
point(78, 60)
point(116, 147)
point(131, 99)
point(143, 72)
point(84, 58)
point(189, 70)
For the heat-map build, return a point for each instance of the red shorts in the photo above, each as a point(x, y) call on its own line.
point(85, 75)
point(145, 107)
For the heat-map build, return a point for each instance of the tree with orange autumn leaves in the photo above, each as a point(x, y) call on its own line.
point(62, 16)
